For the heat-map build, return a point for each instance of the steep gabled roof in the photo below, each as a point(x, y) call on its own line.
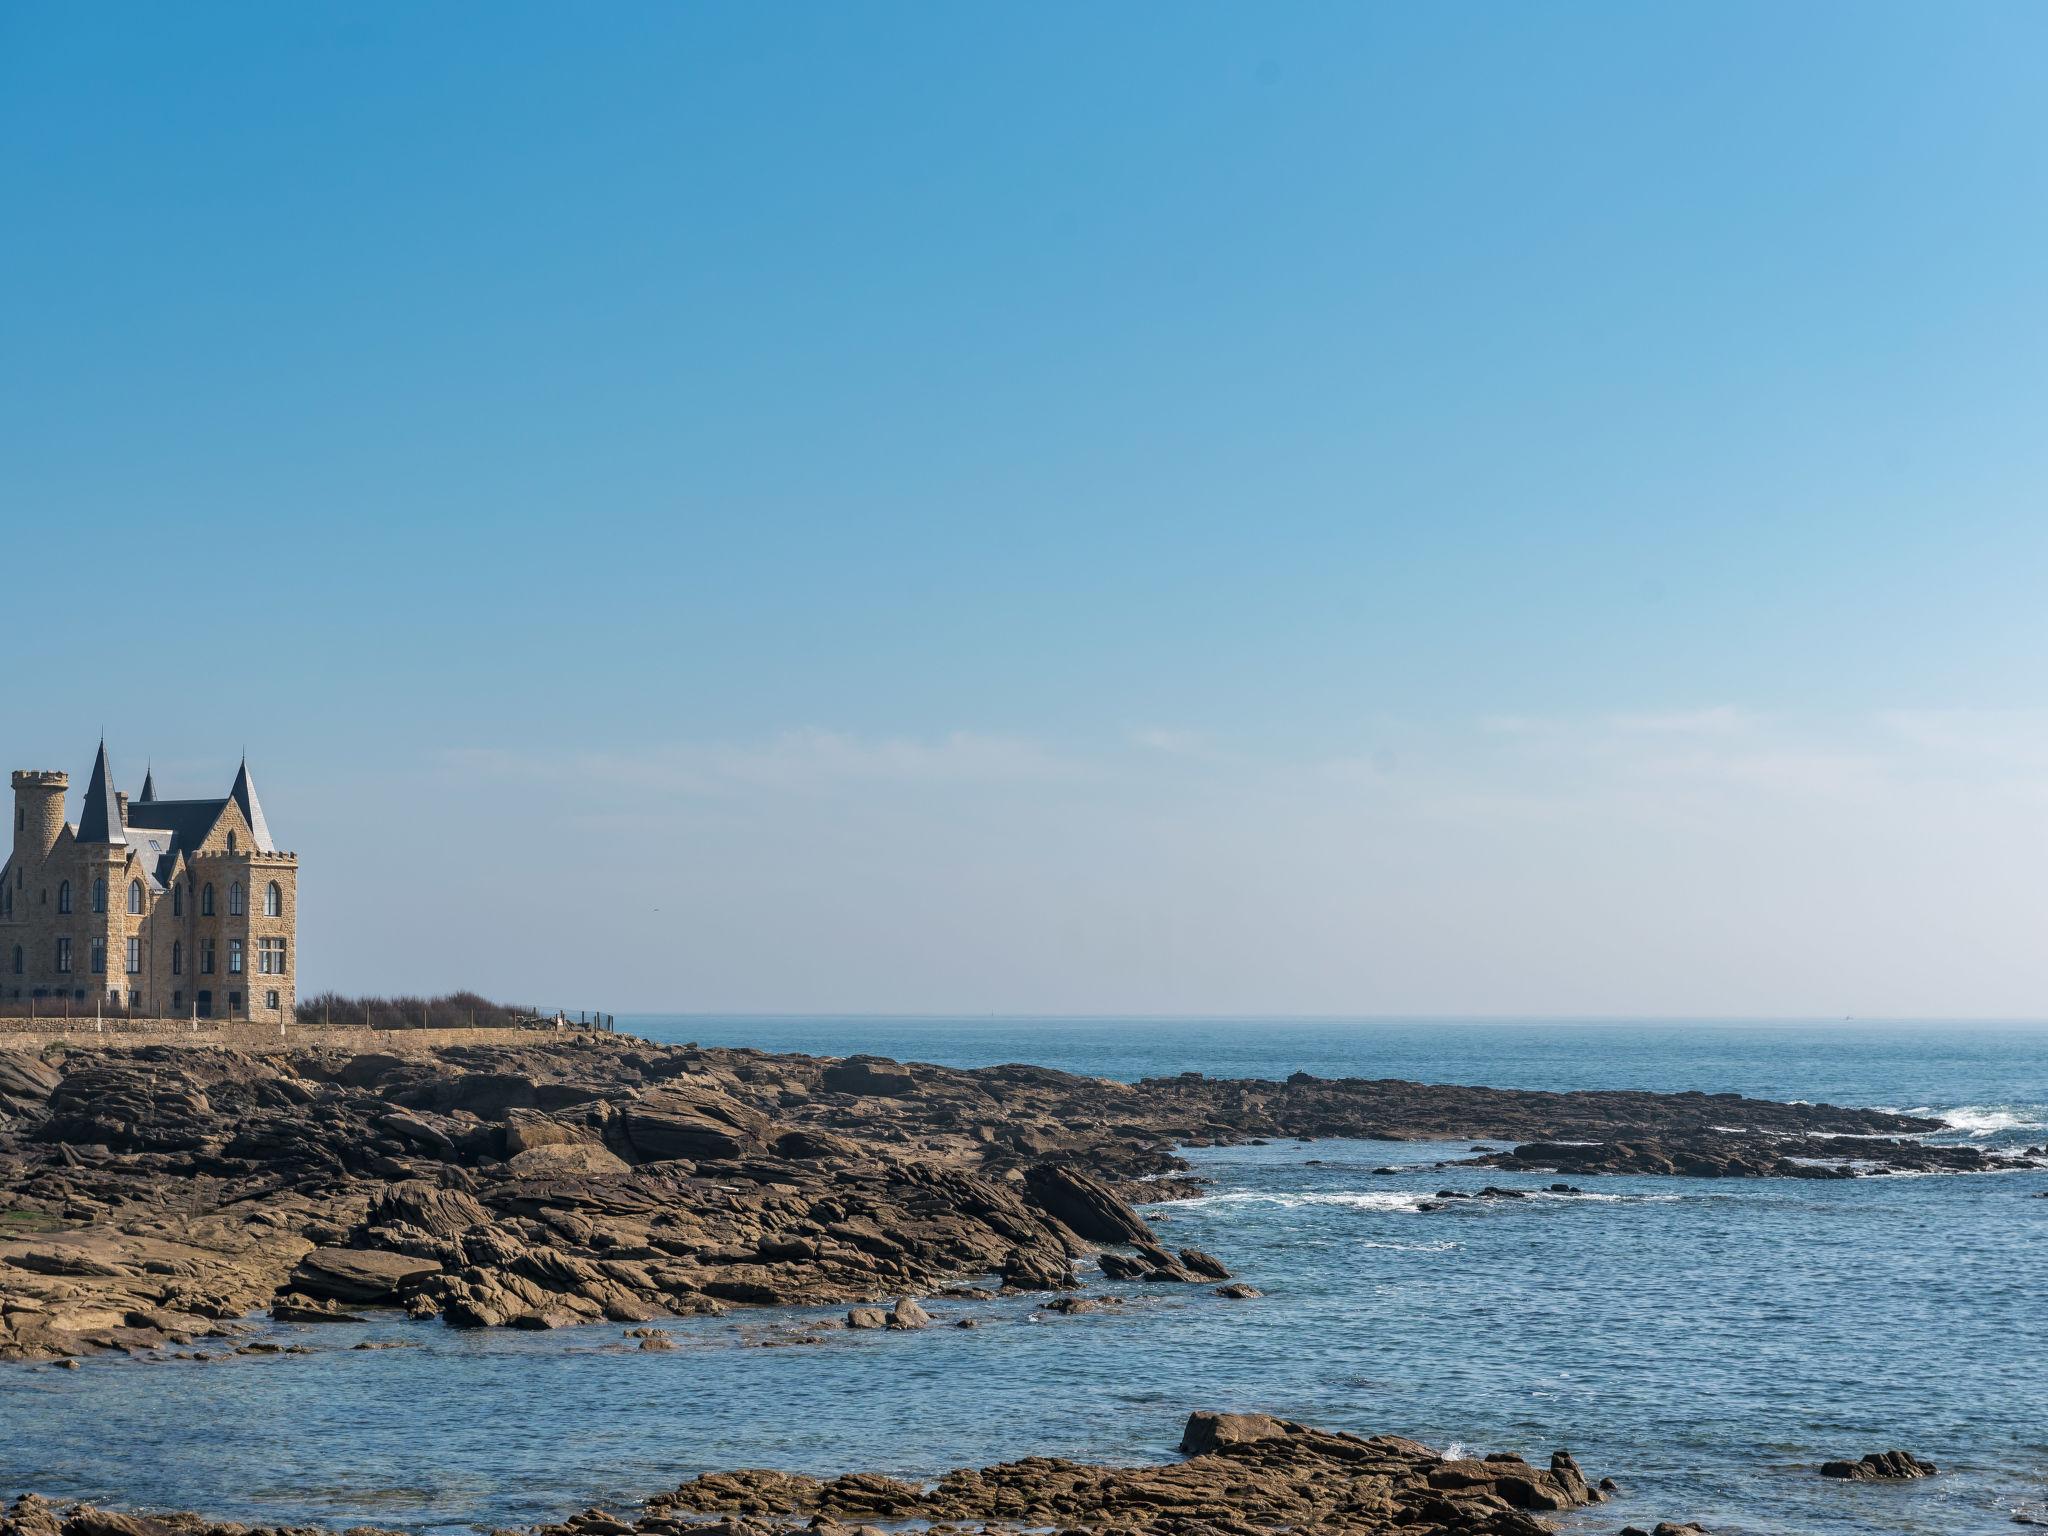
point(187, 822)
point(244, 795)
point(100, 821)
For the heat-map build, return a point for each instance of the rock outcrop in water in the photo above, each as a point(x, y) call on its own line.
point(1242, 1473)
point(1880, 1467)
point(150, 1195)
point(1727, 1155)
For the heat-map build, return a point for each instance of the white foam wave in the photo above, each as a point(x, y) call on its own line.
point(1396, 1199)
point(1360, 1200)
point(1980, 1120)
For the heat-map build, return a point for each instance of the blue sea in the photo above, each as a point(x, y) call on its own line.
point(1706, 1343)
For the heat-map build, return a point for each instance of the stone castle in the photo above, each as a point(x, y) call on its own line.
point(164, 908)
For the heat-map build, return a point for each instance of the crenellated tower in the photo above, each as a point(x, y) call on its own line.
point(38, 812)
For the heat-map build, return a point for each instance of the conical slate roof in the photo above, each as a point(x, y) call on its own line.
point(148, 785)
point(100, 821)
point(244, 795)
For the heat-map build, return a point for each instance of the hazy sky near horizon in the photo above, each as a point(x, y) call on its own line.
point(1146, 508)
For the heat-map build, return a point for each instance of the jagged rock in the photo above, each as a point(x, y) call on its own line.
point(1880, 1467)
point(1085, 1204)
point(1237, 1290)
point(1039, 1272)
point(428, 1207)
point(694, 1123)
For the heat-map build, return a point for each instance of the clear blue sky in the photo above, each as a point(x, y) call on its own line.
point(1151, 507)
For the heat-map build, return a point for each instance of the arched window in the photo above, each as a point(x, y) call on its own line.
point(135, 898)
point(64, 896)
point(231, 842)
point(177, 958)
point(177, 901)
point(99, 895)
point(206, 900)
point(235, 899)
point(273, 900)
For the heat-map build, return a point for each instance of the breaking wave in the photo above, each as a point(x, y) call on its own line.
point(1980, 1120)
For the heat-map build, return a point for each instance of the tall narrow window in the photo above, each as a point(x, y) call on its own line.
point(135, 898)
point(232, 843)
point(177, 958)
point(273, 900)
point(64, 956)
point(99, 957)
point(206, 900)
point(64, 896)
point(206, 957)
point(234, 957)
point(135, 957)
point(99, 895)
point(235, 899)
point(177, 901)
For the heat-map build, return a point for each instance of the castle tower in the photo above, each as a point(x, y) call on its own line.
point(38, 813)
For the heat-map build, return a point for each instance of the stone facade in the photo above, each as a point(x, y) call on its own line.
point(171, 908)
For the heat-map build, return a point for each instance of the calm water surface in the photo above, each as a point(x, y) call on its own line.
point(1706, 1343)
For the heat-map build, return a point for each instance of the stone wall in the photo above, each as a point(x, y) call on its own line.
point(24, 1034)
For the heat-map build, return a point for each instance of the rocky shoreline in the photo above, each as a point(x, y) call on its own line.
point(152, 1195)
point(1239, 1473)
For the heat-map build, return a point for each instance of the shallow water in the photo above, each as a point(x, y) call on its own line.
point(1705, 1342)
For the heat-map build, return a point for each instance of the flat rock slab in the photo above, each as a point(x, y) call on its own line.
point(361, 1275)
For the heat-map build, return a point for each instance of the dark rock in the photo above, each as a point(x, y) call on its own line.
point(1037, 1271)
point(1880, 1467)
point(1084, 1204)
point(868, 1075)
point(304, 1309)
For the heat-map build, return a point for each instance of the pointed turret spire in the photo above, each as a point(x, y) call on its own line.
point(244, 795)
point(100, 821)
point(148, 785)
